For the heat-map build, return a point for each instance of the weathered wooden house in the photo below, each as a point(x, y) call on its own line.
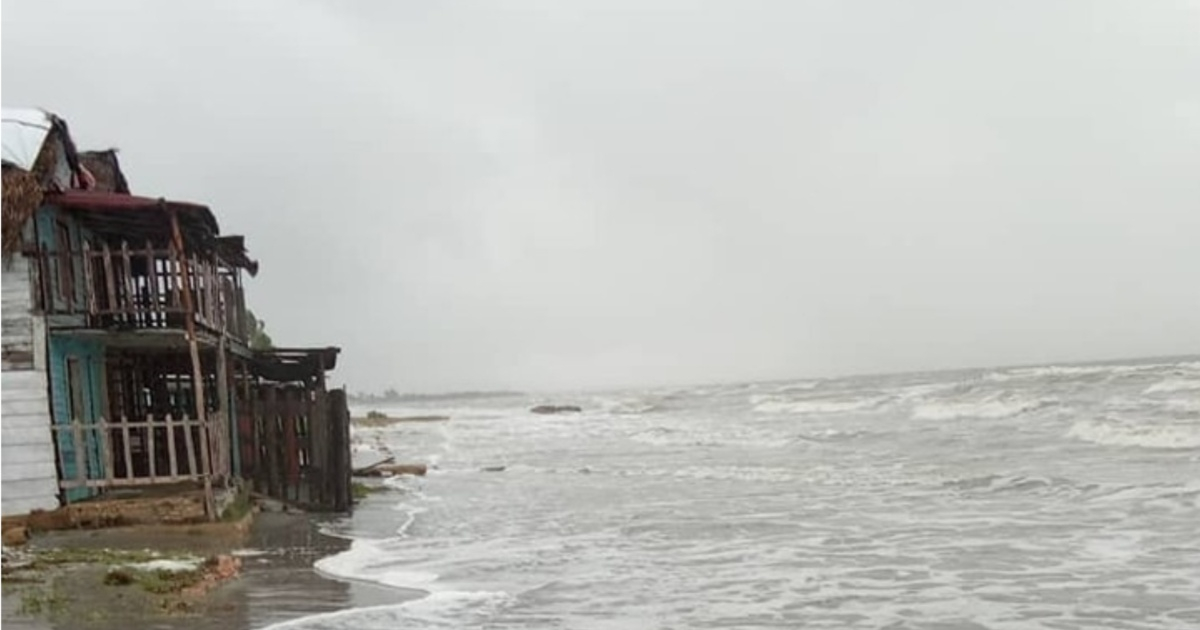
point(126, 356)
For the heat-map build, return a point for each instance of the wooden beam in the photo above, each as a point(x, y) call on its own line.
point(197, 374)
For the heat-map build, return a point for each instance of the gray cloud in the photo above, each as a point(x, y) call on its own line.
point(562, 194)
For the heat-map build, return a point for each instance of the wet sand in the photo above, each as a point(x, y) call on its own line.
point(277, 582)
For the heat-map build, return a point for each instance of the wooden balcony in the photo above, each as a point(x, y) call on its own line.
point(133, 289)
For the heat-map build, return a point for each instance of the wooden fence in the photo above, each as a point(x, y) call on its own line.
point(295, 445)
point(140, 453)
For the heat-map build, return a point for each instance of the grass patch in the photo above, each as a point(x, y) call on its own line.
point(167, 582)
point(238, 509)
point(83, 555)
point(360, 490)
point(36, 602)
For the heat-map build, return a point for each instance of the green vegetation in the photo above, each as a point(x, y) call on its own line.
point(164, 582)
point(257, 334)
point(360, 490)
point(376, 415)
point(82, 555)
point(238, 509)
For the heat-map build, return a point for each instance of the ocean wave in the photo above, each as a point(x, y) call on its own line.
point(1112, 433)
point(741, 437)
point(990, 409)
point(1173, 385)
point(832, 435)
point(775, 404)
point(446, 609)
point(1020, 484)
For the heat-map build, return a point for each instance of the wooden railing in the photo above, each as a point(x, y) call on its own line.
point(137, 453)
point(140, 288)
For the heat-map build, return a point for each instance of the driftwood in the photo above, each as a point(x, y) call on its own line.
point(392, 470)
point(365, 471)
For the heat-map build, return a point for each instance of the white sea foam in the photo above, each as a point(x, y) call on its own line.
point(991, 409)
point(1172, 385)
point(780, 405)
point(1112, 433)
point(446, 609)
point(370, 561)
point(179, 565)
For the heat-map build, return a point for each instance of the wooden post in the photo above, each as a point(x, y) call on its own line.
point(131, 306)
point(197, 374)
point(89, 280)
point(152, 310)
point(172, 456)
point(226, 400)
point(150, 447)
point(110, 282)
point(271, 422)
point(126, 438)
point(106, 446)
point(80, 455)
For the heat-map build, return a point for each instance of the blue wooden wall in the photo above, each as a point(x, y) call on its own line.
point(62, 347)
point(90, 355)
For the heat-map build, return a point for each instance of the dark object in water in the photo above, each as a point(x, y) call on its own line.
point(392, 470)
point(494, 468)
point(550, 409)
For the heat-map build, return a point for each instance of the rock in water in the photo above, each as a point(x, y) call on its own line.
point(16, 536)
point(551, 409)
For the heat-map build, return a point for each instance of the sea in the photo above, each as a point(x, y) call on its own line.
point(1061, 497)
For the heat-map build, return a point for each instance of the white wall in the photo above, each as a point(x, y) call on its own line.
point(28, 476)
point(17, 338)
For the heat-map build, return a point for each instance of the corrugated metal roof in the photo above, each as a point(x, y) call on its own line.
point(22, 134)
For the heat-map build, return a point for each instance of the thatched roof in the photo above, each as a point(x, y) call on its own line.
point(22, 198)
point(106, 170)
point(54, 168)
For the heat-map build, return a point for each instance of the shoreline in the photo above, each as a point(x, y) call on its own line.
point(277, 582)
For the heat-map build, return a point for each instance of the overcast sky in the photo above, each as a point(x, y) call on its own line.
point(568, 194)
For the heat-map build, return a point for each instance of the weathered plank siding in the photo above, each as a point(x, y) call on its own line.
point(28, 477)
point(17, 337)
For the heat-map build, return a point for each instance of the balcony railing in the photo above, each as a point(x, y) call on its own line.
point(139, 289)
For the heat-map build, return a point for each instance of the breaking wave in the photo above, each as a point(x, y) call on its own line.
point(988, 409)
point(1112, 433)
point(772, 404)
point(1172, 385)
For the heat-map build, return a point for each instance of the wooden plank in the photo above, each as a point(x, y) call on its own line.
point(89, 279)
point(274, 467)
point(155, 315)
point(140, 425)
point(171, 460)
point(121, 482)
point(47, 296)
point(189, 444)
point(131, 305)
point(80, 455)
point(110, 281)
point(175, 278)
point(106, 447)
point(198, 376)
point(153, 454)
point(128, 451)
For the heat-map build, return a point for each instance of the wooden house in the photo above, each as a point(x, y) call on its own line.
point(126, 356)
